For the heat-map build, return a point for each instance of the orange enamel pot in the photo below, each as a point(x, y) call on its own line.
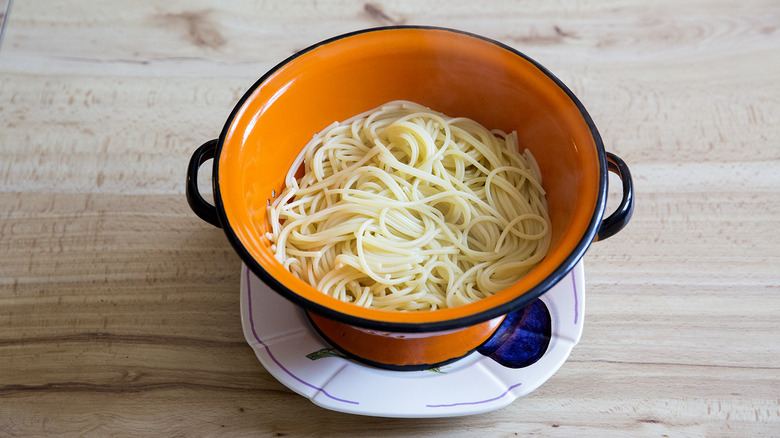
point(454, 72)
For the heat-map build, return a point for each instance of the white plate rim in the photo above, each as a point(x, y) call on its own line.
point(472, 385)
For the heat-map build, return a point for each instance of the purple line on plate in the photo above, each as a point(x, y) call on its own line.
point(271, 355)
point(449, 405)
point(574, 285)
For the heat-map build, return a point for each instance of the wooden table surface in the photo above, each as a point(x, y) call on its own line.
point(119, 308)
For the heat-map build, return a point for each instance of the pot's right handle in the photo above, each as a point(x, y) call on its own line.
point(620, 217)
point(200, 206)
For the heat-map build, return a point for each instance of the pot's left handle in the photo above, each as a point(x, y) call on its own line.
point(200, 206)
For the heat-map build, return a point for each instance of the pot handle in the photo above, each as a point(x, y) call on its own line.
point(200, 206)
point(620, 217)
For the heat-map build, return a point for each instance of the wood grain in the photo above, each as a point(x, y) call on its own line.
point(119, 307)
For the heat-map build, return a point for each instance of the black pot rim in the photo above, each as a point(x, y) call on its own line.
point(526, 298)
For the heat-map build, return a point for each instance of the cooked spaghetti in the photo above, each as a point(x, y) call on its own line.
point(404, 208)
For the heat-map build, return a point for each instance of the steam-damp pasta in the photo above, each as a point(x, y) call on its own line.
point(404, 208)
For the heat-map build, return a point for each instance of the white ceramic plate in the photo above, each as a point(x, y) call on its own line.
point(283, 339)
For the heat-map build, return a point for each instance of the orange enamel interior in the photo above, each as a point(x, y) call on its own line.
point(457, 74)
